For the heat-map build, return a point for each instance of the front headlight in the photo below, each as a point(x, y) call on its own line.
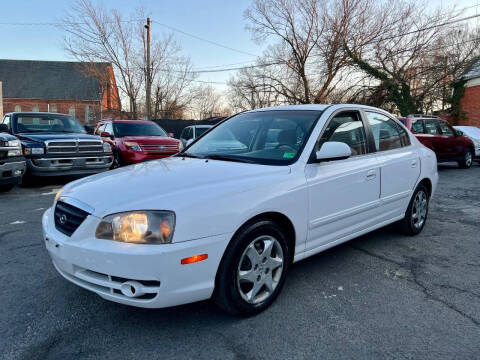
point(133, 145)
point(139, 227)
point(180, 146)
point(57, 195)
point(107, 148)
point(13, 143)
point(33, 151)
point(16, 152)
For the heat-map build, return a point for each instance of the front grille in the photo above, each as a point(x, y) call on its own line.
point(78, 146)
point(68, 218)
point(159, 148)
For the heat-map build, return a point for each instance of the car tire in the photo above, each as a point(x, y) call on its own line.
point(117, 160)
point(249, 280)
point(467, 159)
point(5, 188)
point(417, 212)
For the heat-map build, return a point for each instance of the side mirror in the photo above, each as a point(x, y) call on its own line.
point(106, 134)
point(333, 150)
point(4, 128)
point(189, 141)
point(170, 134)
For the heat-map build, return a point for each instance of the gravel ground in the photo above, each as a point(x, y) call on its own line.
point(381, 296)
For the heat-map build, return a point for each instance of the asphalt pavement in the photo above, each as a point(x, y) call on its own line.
point(381, 296)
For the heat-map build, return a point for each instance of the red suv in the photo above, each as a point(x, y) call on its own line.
point(134, 141)
point(437, 134)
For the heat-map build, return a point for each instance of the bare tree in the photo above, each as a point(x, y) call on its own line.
point(207, 103)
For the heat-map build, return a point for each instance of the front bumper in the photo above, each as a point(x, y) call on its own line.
point(103, 266)
point(12, 172)
point(134, 157)
point(83, 165)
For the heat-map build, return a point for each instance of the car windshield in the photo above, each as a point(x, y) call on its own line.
point(138, 129)
point(200, 130)
point(263, 137)
point(48, 124)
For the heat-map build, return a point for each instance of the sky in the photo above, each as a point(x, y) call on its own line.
point(220, 21)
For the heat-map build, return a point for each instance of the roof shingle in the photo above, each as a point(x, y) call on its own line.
point(59, 80)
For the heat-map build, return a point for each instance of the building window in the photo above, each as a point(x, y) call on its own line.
point(71, 110)
point(35, 108)
point(53, 108)
point(18, 108)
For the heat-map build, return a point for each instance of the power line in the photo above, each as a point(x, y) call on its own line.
point(203, 39)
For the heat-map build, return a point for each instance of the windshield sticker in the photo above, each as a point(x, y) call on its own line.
point(288, 155)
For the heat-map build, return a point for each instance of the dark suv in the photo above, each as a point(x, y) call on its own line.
point(437, 134)
point(56, 144)
point(12, 162)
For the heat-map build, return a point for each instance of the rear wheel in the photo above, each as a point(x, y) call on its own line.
point(253, 270)
point(417, 212)
point(467, 159)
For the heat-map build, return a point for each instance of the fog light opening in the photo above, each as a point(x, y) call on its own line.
point(132, 289)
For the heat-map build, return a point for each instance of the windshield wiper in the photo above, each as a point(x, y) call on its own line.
point(228, 158)
point(189, 155)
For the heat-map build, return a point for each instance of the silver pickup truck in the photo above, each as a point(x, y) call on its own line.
point(12, 162)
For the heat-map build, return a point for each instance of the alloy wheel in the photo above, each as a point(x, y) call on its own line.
point(468, 158)
point(260, 269)
point(419, 209)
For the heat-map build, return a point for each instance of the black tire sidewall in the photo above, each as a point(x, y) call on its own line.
point(412, 230)
point(463, 162)
point(227, 281)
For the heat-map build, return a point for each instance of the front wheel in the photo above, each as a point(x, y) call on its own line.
point(417, 212)
point(253, 270)
point(117, 161)
point(467, 159)
point(5, 188)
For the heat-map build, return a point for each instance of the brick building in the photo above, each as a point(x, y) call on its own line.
point(87, 91)
point(470, 103)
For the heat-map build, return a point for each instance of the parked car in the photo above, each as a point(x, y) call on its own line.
point(135, 141)
point(12, 162)
point(438, 135)
point(56, 144)
point(192, 132)
point(474, 134)
point(228, 223)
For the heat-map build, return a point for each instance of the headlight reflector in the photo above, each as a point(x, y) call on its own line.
point(139, 227)
point(13, 143)
point(16, 152)
point(107, 148)
point(133, 145)
point(33, 151)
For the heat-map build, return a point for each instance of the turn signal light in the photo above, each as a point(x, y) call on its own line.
point(194, 259)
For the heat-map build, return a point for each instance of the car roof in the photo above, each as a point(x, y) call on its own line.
point(126, 121)
point(201, 126)
point(36, 113)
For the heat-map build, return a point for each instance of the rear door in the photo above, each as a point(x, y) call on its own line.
point(453, 148)
point(440, 146)
point(399, 163)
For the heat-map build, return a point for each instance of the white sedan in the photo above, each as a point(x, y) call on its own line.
point(228, 223)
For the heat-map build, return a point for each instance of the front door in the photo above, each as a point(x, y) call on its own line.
point(343, 194)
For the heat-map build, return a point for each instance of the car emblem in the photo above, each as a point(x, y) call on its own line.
point(63, 219)
point(161, 147)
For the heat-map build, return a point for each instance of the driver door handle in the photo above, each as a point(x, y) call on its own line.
point(371, 174)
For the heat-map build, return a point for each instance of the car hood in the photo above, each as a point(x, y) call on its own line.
point(56, 136)
point(168, 184)
point(6, 137)
point(151, 140)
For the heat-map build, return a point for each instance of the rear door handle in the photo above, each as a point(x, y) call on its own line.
point(414, 163)
point(371, 174)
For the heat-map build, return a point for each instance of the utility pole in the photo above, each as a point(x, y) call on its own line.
point(148, 80)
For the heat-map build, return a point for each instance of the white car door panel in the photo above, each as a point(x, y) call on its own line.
point(343, 196)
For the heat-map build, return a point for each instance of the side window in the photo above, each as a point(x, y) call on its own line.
point(109, 128)
point(183, 134)
point(347, 128)
point(431, 127)
point(417, 126)
point(445, 129)
point(385, 131)
point(188, 134)
point(403, 136)
point(6, 120)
